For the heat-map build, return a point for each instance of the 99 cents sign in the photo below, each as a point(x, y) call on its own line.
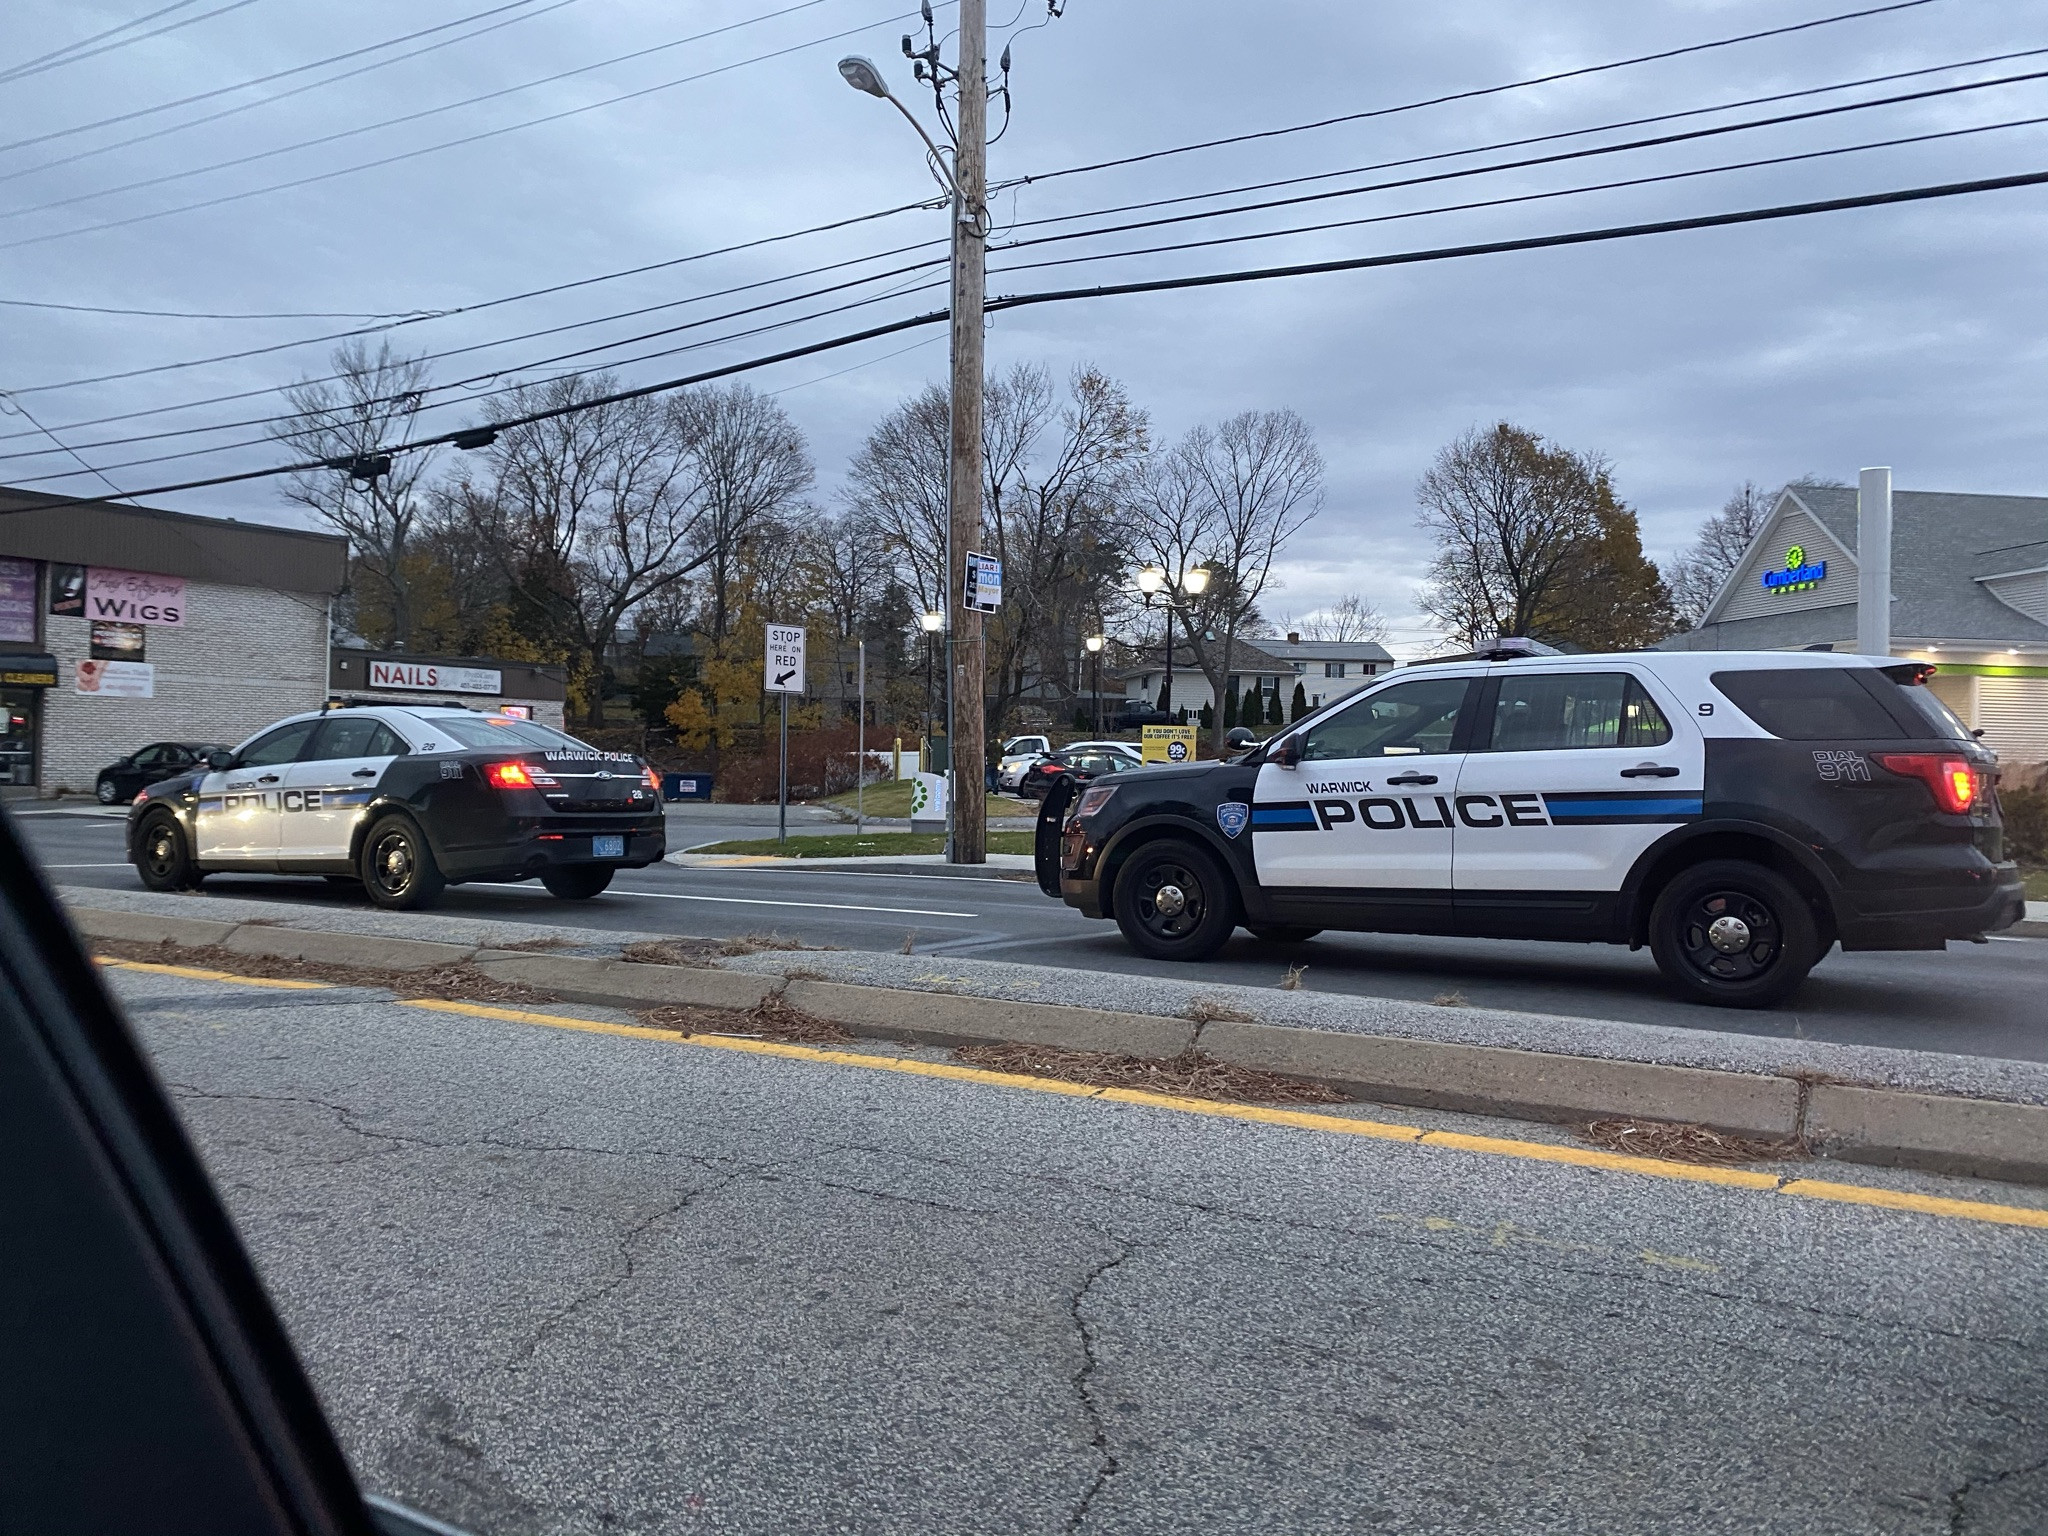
point(784, 672)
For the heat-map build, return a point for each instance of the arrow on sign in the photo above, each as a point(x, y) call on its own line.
point(783, 677)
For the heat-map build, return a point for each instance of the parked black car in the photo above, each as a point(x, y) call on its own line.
point(156, 762)
point(1081, 766)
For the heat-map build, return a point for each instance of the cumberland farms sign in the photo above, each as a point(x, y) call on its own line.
point(425, 677)
point(1798, 574)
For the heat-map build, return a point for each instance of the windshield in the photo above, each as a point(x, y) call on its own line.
point(504, 731)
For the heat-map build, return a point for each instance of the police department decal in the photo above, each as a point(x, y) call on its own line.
point(1233, 816)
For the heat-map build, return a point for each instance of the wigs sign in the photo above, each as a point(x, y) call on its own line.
point(134, 597)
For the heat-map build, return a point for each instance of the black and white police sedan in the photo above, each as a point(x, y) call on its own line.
point(1739, 813)
point(406, 800)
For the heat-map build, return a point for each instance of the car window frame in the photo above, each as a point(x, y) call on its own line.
point(241, 755)
point(1462, 727)
point(1488, 718)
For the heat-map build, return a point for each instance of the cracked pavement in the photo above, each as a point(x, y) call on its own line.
point(566, 1282)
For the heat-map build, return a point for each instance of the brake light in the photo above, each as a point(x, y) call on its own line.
point(1093, 799)
point(508, 776)
point(653, 780)
point(1955, 782)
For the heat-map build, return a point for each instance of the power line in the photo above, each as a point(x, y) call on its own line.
point(24, 71)
point(281, 74)
point(1540, 138)
point(1656, 142)
point(1161, 285)
point(428, 149)
point(198, 314)
point(1470, 95)
point(84, 42)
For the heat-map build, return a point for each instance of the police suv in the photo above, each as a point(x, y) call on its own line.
point(1737, 812)
point(407, 801)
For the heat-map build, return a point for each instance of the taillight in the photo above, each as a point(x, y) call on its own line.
point(653, 781)
point(1955, 782)
point(508, 776)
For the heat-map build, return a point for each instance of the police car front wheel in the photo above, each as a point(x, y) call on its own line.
point(1733, 934)
point(398, 867)
point(162, 856)
point(1174, 902)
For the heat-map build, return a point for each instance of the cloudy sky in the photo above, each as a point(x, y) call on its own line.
point(1911, 336)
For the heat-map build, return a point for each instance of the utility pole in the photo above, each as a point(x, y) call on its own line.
point(966, 650)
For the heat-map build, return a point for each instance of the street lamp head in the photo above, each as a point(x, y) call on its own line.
point(931, 621)
point(862, 75)
point(1196, 582)
point(1094, 643)
point(1151, 579)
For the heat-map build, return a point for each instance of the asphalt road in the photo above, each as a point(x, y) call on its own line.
point(1976, 999)
point(552, 1281)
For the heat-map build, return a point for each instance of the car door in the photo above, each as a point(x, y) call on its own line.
point(1363, 819)
point(326, 789)
point(240, 807)
point(169, 761)
point(1573, 772)
point(145, 767)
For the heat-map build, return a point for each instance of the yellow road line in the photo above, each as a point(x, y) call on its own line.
point(1307, 1120)
point(195, 973)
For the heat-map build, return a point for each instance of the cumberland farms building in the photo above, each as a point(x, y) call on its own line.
point(123, 626)
point(1968, 585)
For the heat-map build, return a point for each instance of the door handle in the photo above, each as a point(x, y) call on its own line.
point(1413, 778)
point(1649, 771)
point(238, 783)
point(364, 773)
point(266, 778)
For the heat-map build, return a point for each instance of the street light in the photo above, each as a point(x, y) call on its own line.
point(1095, 644)
point(1163, 591)
point(862, 75)
point(931, 622)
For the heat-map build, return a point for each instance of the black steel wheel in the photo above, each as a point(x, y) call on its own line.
point(1733, 934)
point(1174, 901)
point(577, 882)
point(162, 856)
point(398, 867)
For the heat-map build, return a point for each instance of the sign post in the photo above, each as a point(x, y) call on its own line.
point(783, 674)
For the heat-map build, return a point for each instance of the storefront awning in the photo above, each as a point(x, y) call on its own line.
point(28, 671)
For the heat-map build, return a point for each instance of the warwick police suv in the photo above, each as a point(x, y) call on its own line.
point(1738, 812)
point(407, 801)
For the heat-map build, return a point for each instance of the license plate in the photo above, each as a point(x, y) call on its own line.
point(608, 847)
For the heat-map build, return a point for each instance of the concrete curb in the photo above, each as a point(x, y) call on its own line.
point(1942, 1133)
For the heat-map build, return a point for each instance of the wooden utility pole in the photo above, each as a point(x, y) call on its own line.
point(966, 651)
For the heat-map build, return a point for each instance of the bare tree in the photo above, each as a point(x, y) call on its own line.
point(369, 404)
point(1229, 499)
point(753, 466)
point(1350, 619)
point(897, 485)
point(1699, 574)
point(1513, 517)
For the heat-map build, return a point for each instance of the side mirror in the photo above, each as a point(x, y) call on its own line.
point(1286, 753)
point(1239, 739)
point(220, 762)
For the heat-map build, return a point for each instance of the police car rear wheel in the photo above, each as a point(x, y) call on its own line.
point(398, 867)
point(161, 857)
point(1174, 902)
point(1733, 934)
point(577, 882)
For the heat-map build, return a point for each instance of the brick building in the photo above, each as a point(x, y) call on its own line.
point(121, 626)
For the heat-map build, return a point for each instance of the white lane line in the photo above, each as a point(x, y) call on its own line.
point(756, 901)
point(858, 874)
point(123, 865)
point(2008, 938)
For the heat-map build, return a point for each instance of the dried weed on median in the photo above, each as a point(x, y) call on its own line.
point(701, 952)
point(1192, 1075)
point(1688, 1143)
point(451, 983)
point(771, 1019)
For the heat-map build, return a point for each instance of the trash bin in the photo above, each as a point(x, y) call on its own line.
point(686, 786)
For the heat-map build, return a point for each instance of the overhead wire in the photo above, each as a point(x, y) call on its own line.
point(194, 99)
point(428, 149)
point(358, 129)
point(72, 56)
point(85, 42)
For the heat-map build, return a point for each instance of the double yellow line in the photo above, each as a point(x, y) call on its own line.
point(1306, 1120)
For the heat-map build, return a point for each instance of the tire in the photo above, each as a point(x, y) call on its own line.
point(1284, 935)
point(107, 792)
point(397, 865)
point(162, 856)
point(1744, 902)
point(1173, 901)
point(577, 882)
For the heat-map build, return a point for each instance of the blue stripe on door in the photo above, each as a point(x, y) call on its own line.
point(1632, 807)
point(1299, 817)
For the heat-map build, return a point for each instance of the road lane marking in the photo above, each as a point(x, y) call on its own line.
point(762, 901)
point(195, 973)
point(124, 864)
point(1492, 1146)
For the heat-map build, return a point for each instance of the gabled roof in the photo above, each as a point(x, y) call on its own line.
point(1324, 650)
point(1942, 544)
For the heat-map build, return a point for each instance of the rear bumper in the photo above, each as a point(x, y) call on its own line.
point(535, 848)
point(1935, 915)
